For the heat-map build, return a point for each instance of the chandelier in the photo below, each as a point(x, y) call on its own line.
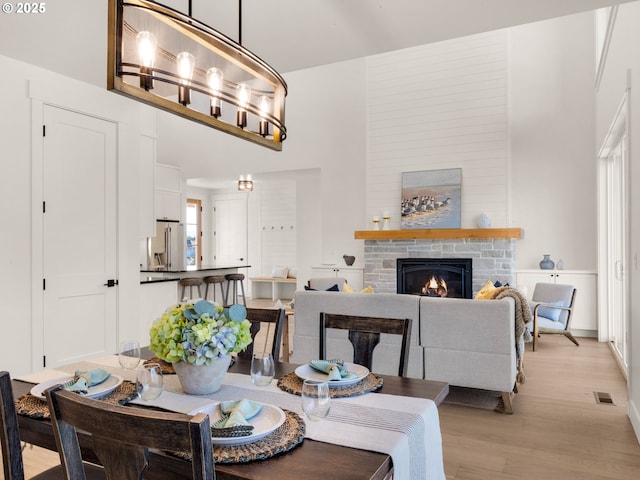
point(164, 58)
point(245, 184)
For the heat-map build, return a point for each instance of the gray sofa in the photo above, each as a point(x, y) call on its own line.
point(468, 343)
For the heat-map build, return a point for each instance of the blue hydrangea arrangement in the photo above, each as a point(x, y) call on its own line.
point(199, 332)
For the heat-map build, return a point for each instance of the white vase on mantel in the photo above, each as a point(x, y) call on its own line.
point(202, 379)
point(484, 221)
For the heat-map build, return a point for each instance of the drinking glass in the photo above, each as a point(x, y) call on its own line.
point(316, 400)
point(129, 356)
point(262, 369)
point(149, 382)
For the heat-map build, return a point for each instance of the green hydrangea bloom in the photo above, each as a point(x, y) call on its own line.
point(198, 333)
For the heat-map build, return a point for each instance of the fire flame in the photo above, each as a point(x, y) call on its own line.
point(436, 286)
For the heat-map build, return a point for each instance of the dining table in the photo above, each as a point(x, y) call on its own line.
point(325, 453)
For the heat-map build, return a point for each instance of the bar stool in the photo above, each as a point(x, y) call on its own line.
point(235, 278)
point(214, 280)
point(190, 282)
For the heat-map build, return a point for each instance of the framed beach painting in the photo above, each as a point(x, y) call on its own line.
point(431, 199)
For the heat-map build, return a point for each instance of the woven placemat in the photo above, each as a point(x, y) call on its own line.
point(166, 367)
point(286, 437)
point(292, 383)
point(33, 407)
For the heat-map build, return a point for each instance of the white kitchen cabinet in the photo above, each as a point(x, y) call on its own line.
point(168, 193)
point(353, 275)
point(585, 314)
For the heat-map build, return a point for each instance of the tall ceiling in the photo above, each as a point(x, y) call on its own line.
point(70, 37)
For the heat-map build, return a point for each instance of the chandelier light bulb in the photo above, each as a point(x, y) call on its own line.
point(146, 43)
point(215, 80)
point(265, 109)
point(243, 93)
point(186, 64)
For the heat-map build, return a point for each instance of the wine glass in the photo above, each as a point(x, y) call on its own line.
point(149, 384)
point(129, 356)
point(262, 369)
point(316, 400)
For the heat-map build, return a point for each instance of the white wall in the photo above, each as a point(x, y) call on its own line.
point(553, 166)
point(622, 63)
point(17, 282)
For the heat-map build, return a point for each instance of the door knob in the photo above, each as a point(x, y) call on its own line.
point(111, 283)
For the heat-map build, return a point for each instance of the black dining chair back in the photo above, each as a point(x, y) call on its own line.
point(12, 460)
point(270, 317)
point(364, 334)
point(122, 437)
point(11, 452)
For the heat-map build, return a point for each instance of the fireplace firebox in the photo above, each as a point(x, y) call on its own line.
point(435, 277)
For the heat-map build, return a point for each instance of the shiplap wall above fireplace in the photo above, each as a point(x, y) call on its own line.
point(437, 106)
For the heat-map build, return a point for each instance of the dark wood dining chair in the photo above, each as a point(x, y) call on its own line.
point(364, 334)
point(122, 436)
point(270, 316)
point(10, 440)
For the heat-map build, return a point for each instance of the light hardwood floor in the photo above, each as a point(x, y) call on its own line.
point(558, 431)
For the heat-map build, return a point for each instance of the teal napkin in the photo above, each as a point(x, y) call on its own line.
point(85, 379)
point(237, 412)
point(334, 368)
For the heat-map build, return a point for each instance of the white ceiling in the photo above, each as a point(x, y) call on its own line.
point(70, 37)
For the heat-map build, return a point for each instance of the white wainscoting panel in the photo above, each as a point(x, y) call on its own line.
point(278, 224)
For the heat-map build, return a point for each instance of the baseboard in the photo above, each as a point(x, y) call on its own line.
point(584, 333)
point(634, 416)
point(619, 363)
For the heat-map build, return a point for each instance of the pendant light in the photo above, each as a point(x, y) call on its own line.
point(174, 62)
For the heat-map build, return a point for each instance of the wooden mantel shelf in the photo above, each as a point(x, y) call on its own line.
point(440, 233)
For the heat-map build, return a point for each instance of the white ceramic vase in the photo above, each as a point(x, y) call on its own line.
point(202, 379)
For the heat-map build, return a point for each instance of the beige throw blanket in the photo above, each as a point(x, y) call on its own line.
point(522, 318)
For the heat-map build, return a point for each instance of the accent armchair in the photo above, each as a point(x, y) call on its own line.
point(552, 305)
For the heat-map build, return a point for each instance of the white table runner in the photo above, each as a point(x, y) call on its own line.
point(406, 428)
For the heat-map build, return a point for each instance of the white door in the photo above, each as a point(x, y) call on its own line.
point(79, 236)
point(230, 230)
point(619, 323)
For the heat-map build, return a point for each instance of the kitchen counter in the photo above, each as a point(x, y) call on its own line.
point(150, 279)
point(195, 268)
point(155, 276)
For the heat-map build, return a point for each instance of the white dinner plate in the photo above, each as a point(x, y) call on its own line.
point(269, 418)
point(97, 391)
point(307, 372)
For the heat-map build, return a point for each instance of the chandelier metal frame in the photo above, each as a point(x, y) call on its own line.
point(126, 74)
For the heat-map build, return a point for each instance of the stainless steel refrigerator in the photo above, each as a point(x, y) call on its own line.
point(166, 251)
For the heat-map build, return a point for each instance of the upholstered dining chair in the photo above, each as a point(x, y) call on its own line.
point(269, 316)
point(10, 440)
point(122, 436)
point(552, 305)
point(364, 335)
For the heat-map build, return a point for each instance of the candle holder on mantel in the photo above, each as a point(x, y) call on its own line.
point(385, 222)
point(376, 223)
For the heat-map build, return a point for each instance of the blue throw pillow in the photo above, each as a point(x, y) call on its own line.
point(551, 313)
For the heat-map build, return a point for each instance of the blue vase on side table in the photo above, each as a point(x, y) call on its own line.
point(546, 263)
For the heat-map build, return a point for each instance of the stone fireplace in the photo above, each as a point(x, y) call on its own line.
point(435, 277)
point(492, 258)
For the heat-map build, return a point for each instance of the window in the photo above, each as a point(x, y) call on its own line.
point(193, 230)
